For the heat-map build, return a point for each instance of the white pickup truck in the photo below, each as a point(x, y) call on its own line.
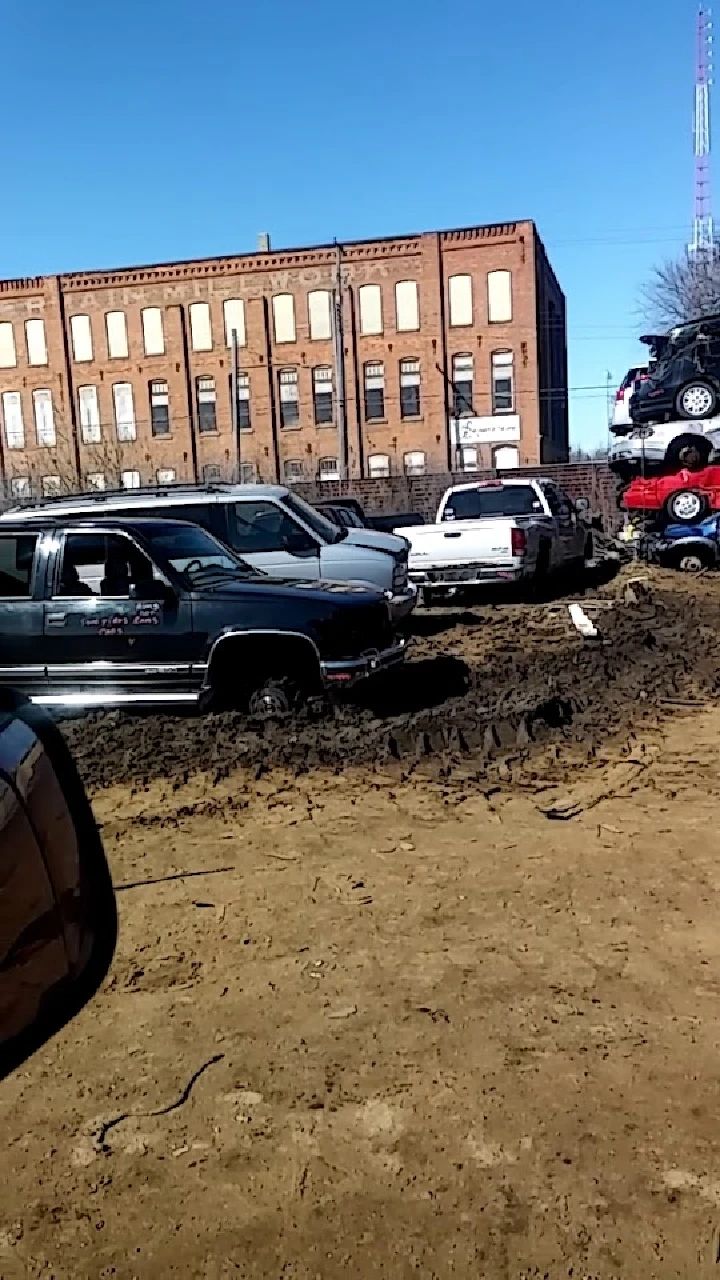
point(496, 531)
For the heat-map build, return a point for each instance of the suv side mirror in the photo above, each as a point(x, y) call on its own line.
point(58, 922)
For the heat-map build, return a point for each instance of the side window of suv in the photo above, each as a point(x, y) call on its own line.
point(263, 526)
point(17, 553)
point(101, 565)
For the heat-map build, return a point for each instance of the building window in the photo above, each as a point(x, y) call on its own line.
point(503, 390)
point(117, 339)
point(243, 404)
point(248, 473)
point(289, 404)
point(323, 396)
point(374, 392)
point(50, 486)
point(44, 419)
point(234, 313)
point(292, 470)
point(159, 408)
point(319, 314)
point(81, 336)
point(35, 341)
point(460, 300)
point(8, 354)
point(414, 463)
point(378, 466)
point(407, 308)
point(499, 287)
point(283, 305)
point(469, 457)
point(13, 416)
point(20, 487)
point(95, 480)
point(130, 479)
point(506, 457)
point(207, 404)
point(124, 407)
point(211, 473)
point(200, 327)
point(328, 469)
point(165, 475)
point(462, 386)
point(153, 333)
point(89, 415)
point(409, 388)
point(370, 303)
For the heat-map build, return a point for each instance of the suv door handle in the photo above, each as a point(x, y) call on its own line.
point(56, 619)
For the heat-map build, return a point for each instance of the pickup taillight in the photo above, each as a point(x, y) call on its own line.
point(518, 542)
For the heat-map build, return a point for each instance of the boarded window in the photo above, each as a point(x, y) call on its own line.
point(153, 334)
point(248, 473)
point(414, 463)
point(35, 339)
point(20, 487)
point(283, 305)
point(117, 339)
point(124, 406)
point(323, 396)
point(409, 388)
point(81, 334)
point(207, 404)
point(130, 479)
point(292, 470)
point(50, 486)
point(96, 480)
point(44, 418)
point(165, 475)
point(13, 417)
point(507, 457)
point(89, 415)
point(200, 327)
point(374, 392)
point(234, 313)
point(407, 307)
point(499, 286)
point(370, 302)
point(8, 355)
point(159, 407)
point(503, 382)
point(289, 403)
point(378, 465)
point(469, 457)
point(460, 300)
point(319, 313)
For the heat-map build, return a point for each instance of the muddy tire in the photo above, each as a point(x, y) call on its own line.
point(276, 698)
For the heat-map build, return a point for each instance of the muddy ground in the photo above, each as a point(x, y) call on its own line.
point(424, 985)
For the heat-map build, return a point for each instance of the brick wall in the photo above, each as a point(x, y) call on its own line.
point(591, 480)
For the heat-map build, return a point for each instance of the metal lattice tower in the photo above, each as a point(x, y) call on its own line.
point(703, 237)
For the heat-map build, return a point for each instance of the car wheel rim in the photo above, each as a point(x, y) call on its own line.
point(691, 564)
point(697, 401)
point(686, 506)
point(267, 703)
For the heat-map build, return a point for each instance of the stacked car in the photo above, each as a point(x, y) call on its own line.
point(666, 426)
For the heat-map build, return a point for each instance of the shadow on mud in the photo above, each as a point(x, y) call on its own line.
point(416, 686)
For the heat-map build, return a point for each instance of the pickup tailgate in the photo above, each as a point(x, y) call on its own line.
point(465, 545)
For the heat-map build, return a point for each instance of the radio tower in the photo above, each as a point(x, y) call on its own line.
point(702, 239)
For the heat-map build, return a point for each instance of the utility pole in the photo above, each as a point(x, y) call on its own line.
point(234, 382)
point(339, 347)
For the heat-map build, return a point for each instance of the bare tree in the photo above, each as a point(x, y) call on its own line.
point(680, 290)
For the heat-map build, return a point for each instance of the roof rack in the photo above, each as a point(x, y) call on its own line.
point(156, 491)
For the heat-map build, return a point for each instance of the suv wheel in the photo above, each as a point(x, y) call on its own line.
point(686, 506)
point(697, 400)
point(274, 699)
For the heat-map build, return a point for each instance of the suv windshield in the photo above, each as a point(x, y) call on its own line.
point(503, 500)
point(320, 525)
point(193, 554)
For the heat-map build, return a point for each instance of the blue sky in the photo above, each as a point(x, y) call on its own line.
point(149, 131)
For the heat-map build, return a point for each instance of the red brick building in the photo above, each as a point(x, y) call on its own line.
point(454, 354)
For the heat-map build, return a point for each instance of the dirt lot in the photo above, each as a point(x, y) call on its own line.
point(425, 987)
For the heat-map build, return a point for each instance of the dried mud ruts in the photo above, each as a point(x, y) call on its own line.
point(480, 685)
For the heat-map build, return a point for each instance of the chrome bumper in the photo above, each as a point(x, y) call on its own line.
point(476, 575)
point(347, 671)
point(402, 604)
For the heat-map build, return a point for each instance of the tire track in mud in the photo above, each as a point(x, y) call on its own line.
point(510, 681)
